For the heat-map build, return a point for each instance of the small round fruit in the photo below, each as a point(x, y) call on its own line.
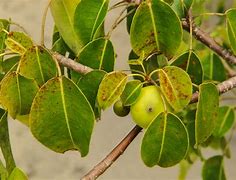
point(120, 110)
point(148, 105)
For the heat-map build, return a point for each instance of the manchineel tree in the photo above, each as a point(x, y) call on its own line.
point(177, 72)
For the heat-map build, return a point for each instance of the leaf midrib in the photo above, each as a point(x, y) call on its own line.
point(65, 111)
point(96, 19)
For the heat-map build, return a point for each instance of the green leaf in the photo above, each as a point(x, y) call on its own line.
point(17, 93)
point(224, 122)
point(190, 62)
point(181, 7)
point(150, 64)
point(98, 54)
point(9, 64)
point(207, 111)
point(111, 88)
point(176, 86)
point(213, 68)
point(3, 171)
point(89, 16)
point(69, 123)
point(155, 28)
point(17, 174)
point(131, 92)
point(231, 28)
point(165, 143)
point(213, 168)
point(63, 14)
point(37, 63)
point(5, 142)
point(59, 45)
point(89, 84)
point(129, 19)
point(18, 42)
point(4, 24)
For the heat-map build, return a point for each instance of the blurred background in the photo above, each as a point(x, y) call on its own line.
point(42, 164)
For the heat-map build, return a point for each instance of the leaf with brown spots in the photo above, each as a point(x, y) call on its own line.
point(155, 28)
point(111, 88)
point(18, 42)
point(176, 86)
point(69, 123)
point(207, 111)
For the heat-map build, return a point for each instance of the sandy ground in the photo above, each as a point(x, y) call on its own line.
point(42, 164)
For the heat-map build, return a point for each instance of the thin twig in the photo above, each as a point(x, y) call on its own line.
point(71, 64)
point(206, 39)
point(101, 167)
point(44, 22)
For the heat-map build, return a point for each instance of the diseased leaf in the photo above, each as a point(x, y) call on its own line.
point(111, 88)
point(131, 92)
point(190, 62)
point(38, 64)
point(98, 54)
point(231, 28)
point(213, 168)
point(17, 93)
point(18, 42)
point(176, 86)
point(89, 15)
point(17, 174)
point(150, 30)
point(224, 121)
point(207, 111)
point(63, 14)
point(69, 123)
point(165, 143)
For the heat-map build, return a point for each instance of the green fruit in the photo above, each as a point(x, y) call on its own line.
point(148, 105)
point(120, 110)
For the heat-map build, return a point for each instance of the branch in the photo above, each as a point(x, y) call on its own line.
point(71, 64)
point(206, 39)
point(101, 167)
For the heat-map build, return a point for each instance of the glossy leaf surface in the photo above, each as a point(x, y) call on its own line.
point(63, 14)
point(190, 62)
point(98, 54)
point(131, 92)
point(89, 16)
point(213, 168)
point(165, 142)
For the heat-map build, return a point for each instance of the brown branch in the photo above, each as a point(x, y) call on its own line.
point(101, 167)
point(71, 64)
point(206, 39)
